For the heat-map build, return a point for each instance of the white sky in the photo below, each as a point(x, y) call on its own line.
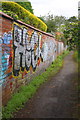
point(65, 8)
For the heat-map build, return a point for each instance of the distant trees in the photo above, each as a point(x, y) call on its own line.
point(73, 19)
point(56, 26)
point(64, 29)
point(54, 23)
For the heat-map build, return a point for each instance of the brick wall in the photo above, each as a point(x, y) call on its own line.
point(24, 53)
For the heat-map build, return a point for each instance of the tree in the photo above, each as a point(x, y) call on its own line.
point(72, 19)
point(49, 20)
point(65, 30)
point(27, 5)
point(71, 33)
point(59, 21)
point(54, 23)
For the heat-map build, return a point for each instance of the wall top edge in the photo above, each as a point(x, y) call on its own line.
point(8, 17)
point(5, 15)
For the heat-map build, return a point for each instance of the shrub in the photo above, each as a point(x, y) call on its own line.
point(24, 15)
point(12, 14)
point(27, 5)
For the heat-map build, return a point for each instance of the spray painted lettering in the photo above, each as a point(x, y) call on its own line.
point(5, 55)
point(27, 50)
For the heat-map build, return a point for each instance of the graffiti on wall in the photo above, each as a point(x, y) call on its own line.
point(27, 49)
point(22, 49)
point(0, 61)
point(5, 56)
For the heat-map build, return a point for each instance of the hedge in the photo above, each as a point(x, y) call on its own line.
point(27, 5)
point(24, 15)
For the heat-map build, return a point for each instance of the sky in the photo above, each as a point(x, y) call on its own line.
point(67, 8)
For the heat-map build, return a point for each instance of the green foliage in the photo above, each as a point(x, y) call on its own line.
point(26, 5)
point(23, 15)
point(42, 18)
point(69, 29)
point(71, 35)
point(27, 91)
point(59, 21)
point(76, 56)
point(54, 23)
point(72, 19)
point(49, 20)
point(12, 14)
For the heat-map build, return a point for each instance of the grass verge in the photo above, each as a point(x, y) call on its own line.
point(26, 92)
point(76, 57)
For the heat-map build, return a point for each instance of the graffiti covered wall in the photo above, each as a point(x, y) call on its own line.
point(24, 52)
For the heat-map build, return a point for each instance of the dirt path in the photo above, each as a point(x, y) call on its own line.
point(56, 98)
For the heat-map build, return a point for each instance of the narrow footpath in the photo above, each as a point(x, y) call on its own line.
point(57, 98)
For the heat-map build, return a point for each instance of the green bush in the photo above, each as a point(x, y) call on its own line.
point(12, 14)
point(23, 15)
point(27, 5)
